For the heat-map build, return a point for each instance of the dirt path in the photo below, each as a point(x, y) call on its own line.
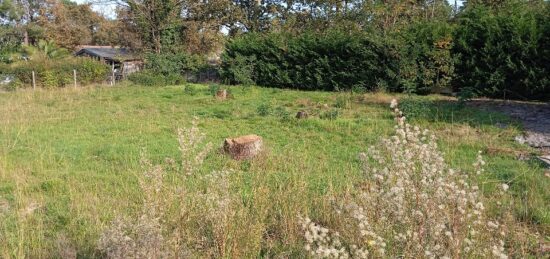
point(535, 118)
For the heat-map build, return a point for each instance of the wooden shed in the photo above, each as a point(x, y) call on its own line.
point(122, 61)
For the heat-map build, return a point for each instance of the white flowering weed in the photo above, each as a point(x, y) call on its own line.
point(411, 205)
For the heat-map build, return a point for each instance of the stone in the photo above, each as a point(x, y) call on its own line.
point(243, 147)
point(302, 115)
point(221, 94)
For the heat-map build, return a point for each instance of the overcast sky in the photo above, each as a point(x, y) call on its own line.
point(108, 10)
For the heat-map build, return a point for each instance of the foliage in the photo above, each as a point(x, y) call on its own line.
point(427, 64)
point(310, 61)
point(44, 50)
point(150, 78)
point(264, 109)
point(59, 72)
point(166, 69)
point(170, 64)
point(213, 89)
point(414, 107)
point(504, 53)
point(191, 89)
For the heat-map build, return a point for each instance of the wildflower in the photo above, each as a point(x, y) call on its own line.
point(505, 187)
point(410, 193)
point(393, 104)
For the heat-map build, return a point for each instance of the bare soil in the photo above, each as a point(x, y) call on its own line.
point(534, 116)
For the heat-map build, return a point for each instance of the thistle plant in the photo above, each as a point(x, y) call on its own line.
point(411, 204)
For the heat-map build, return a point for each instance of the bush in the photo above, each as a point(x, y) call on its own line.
point(426, 63)
point(147, 78)
point(59, 72)
point(504, 53)
point(310, 61)
point(416, 108)
point(169, 64)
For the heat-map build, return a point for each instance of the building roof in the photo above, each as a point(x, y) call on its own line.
point(107, 52)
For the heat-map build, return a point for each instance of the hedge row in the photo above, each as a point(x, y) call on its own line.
point(334, 61)
point(503, 54)
point(166, 69)
point(57, 73)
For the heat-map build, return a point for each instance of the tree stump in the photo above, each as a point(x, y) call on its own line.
point(244, 147)
point(221, 94)
point(302, 115)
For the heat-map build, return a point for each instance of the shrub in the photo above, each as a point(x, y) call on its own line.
point(411, 205)
point(311, 61)
point(504, 52)
point(172, 63)
point(415, 108)
point(147, 78)
point(59, 72)
point(426, 64)
point(239, 70)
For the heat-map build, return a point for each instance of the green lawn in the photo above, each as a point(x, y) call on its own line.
point(69, 158)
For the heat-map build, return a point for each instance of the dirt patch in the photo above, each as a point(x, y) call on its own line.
point(534, 116)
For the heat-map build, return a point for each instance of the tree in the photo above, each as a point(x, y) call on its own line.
point(70, 24)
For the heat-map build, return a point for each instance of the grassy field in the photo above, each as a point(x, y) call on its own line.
point(69, 159)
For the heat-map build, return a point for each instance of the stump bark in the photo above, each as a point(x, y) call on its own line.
point(244, 147)
point(221, 94)
point(302, 115)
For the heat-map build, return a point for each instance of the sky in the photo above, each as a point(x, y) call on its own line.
point(107, 8)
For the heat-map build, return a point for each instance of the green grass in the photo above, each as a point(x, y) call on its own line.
point(74, 154)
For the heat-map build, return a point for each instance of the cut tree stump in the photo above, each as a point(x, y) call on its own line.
point(221, 94)
point(302, 115)
point(244, 147)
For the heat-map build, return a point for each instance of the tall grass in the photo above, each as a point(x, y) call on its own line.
point(73, 181)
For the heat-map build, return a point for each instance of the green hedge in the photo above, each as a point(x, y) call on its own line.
point(334, 61)
point(495, 52)
point(504, 54)
point(166, 69)
point(58, 73)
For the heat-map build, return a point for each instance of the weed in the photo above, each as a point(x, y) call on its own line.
point(411, 204)
point(330, 115)
point(213, 89)
point(264, 109)
point(416, 108)
point(190, 90)
point(343, 102)
point(282, 113)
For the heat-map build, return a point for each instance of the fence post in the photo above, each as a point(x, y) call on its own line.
point(74, 77)
point(33, 81)
point(113, 73)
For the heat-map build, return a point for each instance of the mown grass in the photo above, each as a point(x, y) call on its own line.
point(69, 158)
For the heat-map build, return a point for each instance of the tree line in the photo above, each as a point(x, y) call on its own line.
point(487, 47)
